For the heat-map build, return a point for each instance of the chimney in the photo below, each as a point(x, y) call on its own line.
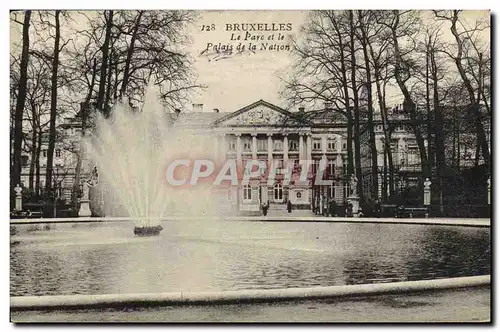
point(327, 105)
point(197, 107)
point(301, 109)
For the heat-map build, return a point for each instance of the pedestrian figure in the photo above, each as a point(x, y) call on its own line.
point(289, 206)
point(368, 208)
point(378, 208)
point(343, 209)
point(333, 207)
point(265, 207)
point(349, 210)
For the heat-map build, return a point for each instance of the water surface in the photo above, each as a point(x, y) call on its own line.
point(207, 256)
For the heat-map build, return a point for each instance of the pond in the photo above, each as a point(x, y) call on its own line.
point(103, 258)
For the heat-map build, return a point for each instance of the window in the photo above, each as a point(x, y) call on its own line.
point(24, 160)
point(262, 144)
point(315, 166)
point(278, 145)
point(293, 146)
point(247, 192)
point(232, 144)
point(58, 153)
point(278, 192)
point(316, 144)
point(247, 145)
point(345, 165)
point(44, 153)
point(331, 167)
point(331, 145)
point(331, 191)
point(344, 146)
point(346, 190)
point(279, 166)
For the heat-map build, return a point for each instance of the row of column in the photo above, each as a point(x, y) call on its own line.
point(305, 148)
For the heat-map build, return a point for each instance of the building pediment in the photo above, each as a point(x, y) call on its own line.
point(260, 113)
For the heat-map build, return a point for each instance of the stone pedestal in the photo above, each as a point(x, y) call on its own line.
point(19, 198)
point(354, 200)
point(85, 203)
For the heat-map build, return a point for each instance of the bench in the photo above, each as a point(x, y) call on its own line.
point(411, 212)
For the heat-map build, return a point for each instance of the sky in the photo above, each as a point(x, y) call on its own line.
point(240, 80)
point(237, 81)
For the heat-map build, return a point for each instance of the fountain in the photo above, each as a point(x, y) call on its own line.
point(131, 149)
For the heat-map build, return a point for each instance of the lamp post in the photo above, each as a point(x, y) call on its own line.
point(427, 195)
point(57, 184)
point(489, 190)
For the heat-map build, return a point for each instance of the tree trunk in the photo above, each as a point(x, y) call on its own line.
point(474, 106)
point(357, 148)
point(34, 127)
point(371, 127)
point(428, 106)
point(84, 109)
point(385, 125)
point(107, 99)
point(37, 163)
point(53, 107)
point(345, 87)
point(20, 102)
point(130, 52)
point(438, 131)
point(104, 64)
point(408, 104)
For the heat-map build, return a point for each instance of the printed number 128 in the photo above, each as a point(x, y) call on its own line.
point(208, 27)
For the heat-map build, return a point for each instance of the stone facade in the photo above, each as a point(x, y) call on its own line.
point(266, 132)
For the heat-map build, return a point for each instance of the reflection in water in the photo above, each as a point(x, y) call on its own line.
point(206, 257)
point(456, 252)
point(429, 253)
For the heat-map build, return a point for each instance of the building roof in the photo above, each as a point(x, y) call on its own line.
point(194, 119)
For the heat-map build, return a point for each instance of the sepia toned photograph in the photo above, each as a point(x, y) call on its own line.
point(250, 166)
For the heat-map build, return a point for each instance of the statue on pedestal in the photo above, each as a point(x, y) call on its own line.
point(354, 185)
point(92, 181)
point(353, 199)
point(427, 192)
point(19, 199)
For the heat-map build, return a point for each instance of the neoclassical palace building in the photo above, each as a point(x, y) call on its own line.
point(266, 132)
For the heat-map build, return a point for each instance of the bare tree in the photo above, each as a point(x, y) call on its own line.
point(405, 24)
point(21, 100)
point(464, 37)
point(364, 19)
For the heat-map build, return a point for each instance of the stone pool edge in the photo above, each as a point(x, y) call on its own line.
point(63, 302)
point(468, 222)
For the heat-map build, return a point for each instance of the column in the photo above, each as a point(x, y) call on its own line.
point(285, 150)
point(223, 147)
point(309, 146)
point(269, 148)
point(254, 146)
point(338, 143)
point(301, 147)
point(323, 144)
point(238, 147)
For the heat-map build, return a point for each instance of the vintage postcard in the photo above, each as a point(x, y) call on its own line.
point(250, 166)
